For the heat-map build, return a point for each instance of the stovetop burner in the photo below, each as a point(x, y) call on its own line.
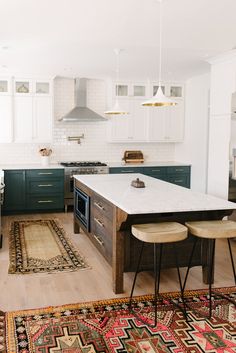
point(84, 164)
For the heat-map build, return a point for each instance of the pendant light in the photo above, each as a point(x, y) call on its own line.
point(116, 109)
point(159, 99)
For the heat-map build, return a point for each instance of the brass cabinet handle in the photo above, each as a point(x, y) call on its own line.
point(127, 171)
point(179, 170)
point(99, 205)
point(178, 181)
point(156, 170)
point(45, 201)
point(98, 239)
point(43, 173)
point(44, 185)
point(99, 222)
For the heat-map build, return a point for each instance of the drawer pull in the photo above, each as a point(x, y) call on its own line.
point(44, 185)
point(178, 181)
point(179, 170)
point(99, 222)
point(156, 170)
point(45, 201)
point(45, 173)
point(127, 171)
point(98, 239)
point(99, 205)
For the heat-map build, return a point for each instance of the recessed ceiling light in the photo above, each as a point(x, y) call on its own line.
point(5, 47)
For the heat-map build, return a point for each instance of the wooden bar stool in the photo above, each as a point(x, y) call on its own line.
point(212, 230)
point(158, 234)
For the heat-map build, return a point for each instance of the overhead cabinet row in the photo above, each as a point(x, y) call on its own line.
point(146, 124)
point(26, 110)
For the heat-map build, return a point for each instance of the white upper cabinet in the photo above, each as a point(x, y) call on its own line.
point(23, 119)
point(42, 119)
point(147, 124)
point(132, 90)
point(6, 110)
point(6, 118)
point(131, 127)
point(26, 110)
point(166, 124)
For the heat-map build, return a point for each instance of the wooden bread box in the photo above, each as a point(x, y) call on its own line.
point(133, 157)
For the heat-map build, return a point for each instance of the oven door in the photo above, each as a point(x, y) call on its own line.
point(82, 207)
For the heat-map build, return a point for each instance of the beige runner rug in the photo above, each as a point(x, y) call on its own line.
point(41, 246)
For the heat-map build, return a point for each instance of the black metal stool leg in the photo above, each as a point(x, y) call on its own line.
point(180, 283)
point(211, 274)
point(190, 262)
point(232, 260)
point(157, 273)
point(136, 273)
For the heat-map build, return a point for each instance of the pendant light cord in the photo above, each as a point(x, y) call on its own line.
point(160, 40)
point(117, 52)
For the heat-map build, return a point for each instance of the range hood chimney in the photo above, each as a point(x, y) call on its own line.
point(80, 112)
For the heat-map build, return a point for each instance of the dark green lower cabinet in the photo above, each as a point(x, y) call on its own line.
point(176, 175)
point(14, 195)
point(33, 190)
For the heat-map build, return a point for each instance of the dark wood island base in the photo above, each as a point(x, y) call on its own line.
point(110, 231)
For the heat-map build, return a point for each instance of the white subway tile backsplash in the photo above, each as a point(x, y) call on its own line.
point(94, 145)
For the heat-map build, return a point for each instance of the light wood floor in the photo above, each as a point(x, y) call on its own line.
point(40, 290)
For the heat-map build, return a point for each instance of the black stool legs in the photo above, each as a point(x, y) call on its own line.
point(211, 269)
point(157, 275)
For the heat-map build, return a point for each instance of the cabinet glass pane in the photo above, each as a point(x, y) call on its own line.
point(3, 86)
point(139, 91)
point(42, 87)
point(176, 91)
point(121, 90)
point(155, 88)
point(22, 87)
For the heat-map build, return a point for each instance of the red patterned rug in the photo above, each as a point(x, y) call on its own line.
point(108, 327)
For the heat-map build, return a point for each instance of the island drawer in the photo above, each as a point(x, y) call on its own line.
point(101, 235)
point(100, 224)
point(101, 206)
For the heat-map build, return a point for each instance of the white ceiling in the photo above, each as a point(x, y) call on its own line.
point(77, 37)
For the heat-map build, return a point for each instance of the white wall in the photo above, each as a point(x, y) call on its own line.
point(94, 145)
point(195, 146)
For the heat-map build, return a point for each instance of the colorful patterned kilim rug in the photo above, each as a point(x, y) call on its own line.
point(108, 327)
point(41, 246)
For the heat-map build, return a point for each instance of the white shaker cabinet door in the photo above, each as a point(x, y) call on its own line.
point(121, 125)
point(139, 121)
point(23, 122)
point(175, 125)
point(157, 124)
point(42, 119)
point(5, 119)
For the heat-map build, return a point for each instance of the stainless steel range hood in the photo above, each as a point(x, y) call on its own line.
point(80, 112)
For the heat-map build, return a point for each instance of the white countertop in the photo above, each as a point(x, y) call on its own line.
point(157, 197)
point(30, 166)
point(148, 164)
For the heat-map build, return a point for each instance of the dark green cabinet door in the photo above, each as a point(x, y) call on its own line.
point(14, 196)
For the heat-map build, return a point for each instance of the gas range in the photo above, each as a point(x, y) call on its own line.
point(75, 168)
point(85, 167)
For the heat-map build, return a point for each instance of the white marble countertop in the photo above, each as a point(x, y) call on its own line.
point(148, 164)
point(157, 197)
point(30, 166)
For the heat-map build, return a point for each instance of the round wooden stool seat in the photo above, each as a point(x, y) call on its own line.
point(212, 229)
point(165, 232)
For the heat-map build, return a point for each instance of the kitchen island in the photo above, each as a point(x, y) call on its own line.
point(109, 206)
